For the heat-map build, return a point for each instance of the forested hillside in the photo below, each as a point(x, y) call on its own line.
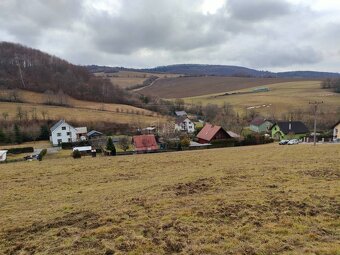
point(30, 69)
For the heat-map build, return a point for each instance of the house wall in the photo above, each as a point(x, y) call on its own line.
point(336, 132)
point(63, 134)
point(220, 135)
point(3, 156)
point(187, 126)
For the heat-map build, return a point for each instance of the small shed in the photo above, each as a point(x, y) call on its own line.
point(93, 134)
point(83, 149)
point(3, 155)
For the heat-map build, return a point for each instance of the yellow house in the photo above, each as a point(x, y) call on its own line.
point(336, 131)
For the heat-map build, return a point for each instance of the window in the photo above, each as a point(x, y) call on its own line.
point(63, 128)
point(59, 141)
point(58, 134)
point(68, 133)
point(69, 140)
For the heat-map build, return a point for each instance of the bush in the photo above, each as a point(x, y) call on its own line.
point(42, 154)
point(76, 154)
point(20, 150)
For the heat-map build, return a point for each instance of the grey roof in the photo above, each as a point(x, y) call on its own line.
point(297, 127)
point(180, 119)
point(57, 125)
point(181, 113)
point(92, 132)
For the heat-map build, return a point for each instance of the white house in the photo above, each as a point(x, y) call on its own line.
point(3, 155)
point(184, 124)
point(62, 132)
point(336, 131)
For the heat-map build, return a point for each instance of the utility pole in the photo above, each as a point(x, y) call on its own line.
point(315, 104)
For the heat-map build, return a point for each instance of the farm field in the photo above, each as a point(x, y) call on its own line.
point(266, 199)
point(126, 79)
point(80, 111)
point(197, 86)
point(280, 98)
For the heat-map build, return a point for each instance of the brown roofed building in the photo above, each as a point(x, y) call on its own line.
point(211, 133)
point(145, 143)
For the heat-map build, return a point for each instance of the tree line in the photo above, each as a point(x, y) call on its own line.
point(333, 84)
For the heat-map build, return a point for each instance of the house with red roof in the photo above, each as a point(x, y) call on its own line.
point(211, 133)
point(145, 143)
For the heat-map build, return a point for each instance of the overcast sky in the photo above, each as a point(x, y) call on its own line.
point(264, 34)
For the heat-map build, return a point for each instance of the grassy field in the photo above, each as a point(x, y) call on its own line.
point(80, 111)
point(267, 199)
point(197, 86)
point(281, 98)
point(127, 79)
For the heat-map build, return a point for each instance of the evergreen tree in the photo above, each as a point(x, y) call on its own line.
point(111, 147)
point(44, 133)
point(3, 138)
point(17, 134)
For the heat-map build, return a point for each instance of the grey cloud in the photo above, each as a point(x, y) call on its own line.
point(258, 10)
point(27, 19)
point(153, 25)
point(158, 32)
point(282, 55)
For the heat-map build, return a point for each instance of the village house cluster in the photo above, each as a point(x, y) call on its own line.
point(187, 133)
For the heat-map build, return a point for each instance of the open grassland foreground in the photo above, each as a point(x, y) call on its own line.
point(248, 200)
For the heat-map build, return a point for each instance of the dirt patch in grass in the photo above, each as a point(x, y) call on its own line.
point(193, 187)
point(21, 240)
point(324, 173)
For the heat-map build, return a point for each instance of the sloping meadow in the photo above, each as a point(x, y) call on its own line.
point(250, 200)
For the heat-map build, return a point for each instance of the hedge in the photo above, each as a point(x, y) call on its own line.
point(20, 150)
point(66, 146)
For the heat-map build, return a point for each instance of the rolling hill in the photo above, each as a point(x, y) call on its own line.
point(217, 70)
point(179, 87)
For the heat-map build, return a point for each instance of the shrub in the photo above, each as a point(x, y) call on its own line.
point(76, 154)
point(42, 154)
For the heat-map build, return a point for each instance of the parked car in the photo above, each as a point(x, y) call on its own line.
point(293, 141)
point(283, 142)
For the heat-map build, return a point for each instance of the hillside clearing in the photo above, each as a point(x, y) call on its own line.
point(180, 87)
point(280, 98)
point(247, 200)
point(80, 111)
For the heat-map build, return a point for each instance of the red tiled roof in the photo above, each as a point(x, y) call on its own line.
point(145, 143)
point(208, 132)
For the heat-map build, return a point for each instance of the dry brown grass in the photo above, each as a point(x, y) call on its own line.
point(196, 86)
point(267, 199)
point(281, 98)
point(81, 111)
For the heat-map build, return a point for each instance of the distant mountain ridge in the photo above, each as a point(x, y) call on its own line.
point(219, 70)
